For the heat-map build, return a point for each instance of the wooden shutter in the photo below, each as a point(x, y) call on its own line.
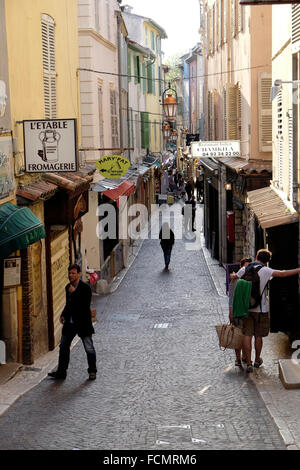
point(101, 124)
point(145, 130)
point(265, 112)
point(230, 111)
point(225, 21)
point(136, 69)
point(149, 78)
point(49, 67)
point(296, 25)
point(114, 119)
point(129, 66)
point(291, 157)
point(144, 81)
point(153, 80)
point(279, 135)
point(239, 110)
point(212, 114)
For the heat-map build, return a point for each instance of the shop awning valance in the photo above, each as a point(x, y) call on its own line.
point(125, 189)
point(19, 227)
point(270, 209)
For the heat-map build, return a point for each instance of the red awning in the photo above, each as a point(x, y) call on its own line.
point(125, 189)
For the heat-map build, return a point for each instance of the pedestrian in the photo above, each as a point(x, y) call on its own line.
point(237, 321)
point(189, 212)
point(200, 188)
point(76, 320)
point(188, 189)
point(167, 241)
point(257, 324)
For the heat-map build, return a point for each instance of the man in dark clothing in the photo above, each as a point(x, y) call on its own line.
point(76, 319)
point(167, 241)
point(190, 215)
point(189, 189)
point(199, 187)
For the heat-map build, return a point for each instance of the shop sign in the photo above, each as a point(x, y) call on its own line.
point(215, 149)
point(113, 166)
point(12, 272)
point(50, 145)
point(6, 165)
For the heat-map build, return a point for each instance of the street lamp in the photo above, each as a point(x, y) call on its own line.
point(166, 130)
point(170, 103)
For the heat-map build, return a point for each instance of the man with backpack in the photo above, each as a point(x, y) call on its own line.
point(257, 323)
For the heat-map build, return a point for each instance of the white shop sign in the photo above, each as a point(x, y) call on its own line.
point(215, 149)
point(50, 145)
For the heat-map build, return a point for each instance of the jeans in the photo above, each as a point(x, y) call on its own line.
point(64, 350)
point(167, 254)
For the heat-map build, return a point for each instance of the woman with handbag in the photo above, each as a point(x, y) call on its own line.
point(237, 321)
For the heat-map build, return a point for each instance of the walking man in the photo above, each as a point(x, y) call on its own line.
point(257, 323)
point(76, 319)
point(167, 240)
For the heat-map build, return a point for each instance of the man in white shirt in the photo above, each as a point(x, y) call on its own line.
point(257, 323)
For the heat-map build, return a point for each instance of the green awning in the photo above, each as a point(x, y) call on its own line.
point(19, 227)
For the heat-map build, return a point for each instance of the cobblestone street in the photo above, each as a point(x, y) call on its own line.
point(162, 381)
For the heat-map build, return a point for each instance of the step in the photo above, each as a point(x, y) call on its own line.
point(289, 373)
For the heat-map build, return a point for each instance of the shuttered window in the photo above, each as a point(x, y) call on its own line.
point(97, 23)
point(137, 77)
point(149, 78)
point(145, 130)
point(212, 98)
point(100, 116)
point(230, 111)
point(280, 137)
point(265, 112)
point(291, 165)
point(129, 66)
point(144, 81)
point(114, 119)
point(225, 20)
point(296, 25)
point(49, 66)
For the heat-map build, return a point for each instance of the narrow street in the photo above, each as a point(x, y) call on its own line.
point(162, 381)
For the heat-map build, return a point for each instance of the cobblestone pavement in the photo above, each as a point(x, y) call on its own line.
point(162, 381)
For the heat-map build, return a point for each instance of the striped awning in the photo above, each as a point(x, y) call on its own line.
point(269, 209)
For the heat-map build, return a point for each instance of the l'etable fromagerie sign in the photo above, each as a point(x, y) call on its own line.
point(50, 145)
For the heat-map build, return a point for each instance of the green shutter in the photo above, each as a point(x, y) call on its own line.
point(159, 82)
point(145, 130)
point(144, 82)
point(137, 76)
point(153, 79)
point(152, 41)
point(129, 66)
point(149, 76)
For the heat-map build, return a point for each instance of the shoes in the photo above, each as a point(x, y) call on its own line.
point(244, 360)
point(57, 375)
point(258, 363)
point(249, 368)
point(238, 363)
point(92, 375)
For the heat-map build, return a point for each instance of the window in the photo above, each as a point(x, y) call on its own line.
point(100, 116)
point(265, 112)
point(152, 41)
point(230, 111)
point(280, 138)
point(144, 80)
point(146, 35)
point(291, 166)
point(114, 119)
point(145, 130)
point(149, 78)
point(137, 75)
point(49, 67)
point(129, 66)
point(97, 23)
point(225, 21)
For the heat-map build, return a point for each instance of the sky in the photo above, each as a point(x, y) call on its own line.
point(179, 18)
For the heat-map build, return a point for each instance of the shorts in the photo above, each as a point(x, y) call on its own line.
point(257, 324)
point(237, 321)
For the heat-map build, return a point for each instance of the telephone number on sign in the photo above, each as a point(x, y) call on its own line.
point(224, 154)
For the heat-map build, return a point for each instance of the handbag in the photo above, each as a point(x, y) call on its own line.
point(230, 336)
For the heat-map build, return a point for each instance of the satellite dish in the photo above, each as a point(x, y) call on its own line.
point(3, 98)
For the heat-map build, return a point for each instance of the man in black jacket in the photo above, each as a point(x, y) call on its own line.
point(76, 319)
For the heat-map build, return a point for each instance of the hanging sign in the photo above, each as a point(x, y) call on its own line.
point(215, 149)
point(113, 166)
point(50, 145)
